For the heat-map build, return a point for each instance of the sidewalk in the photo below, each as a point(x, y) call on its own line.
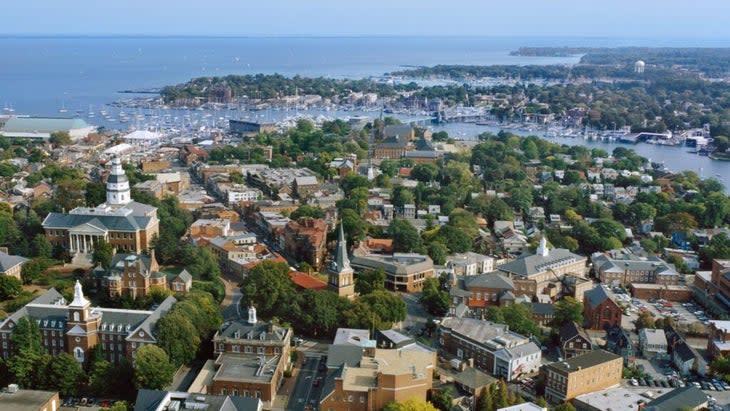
point(281, 400)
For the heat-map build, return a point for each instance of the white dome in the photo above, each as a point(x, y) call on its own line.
point(639, 63)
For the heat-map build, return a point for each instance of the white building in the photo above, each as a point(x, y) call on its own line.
point(653, 343)
point(512, 362)
point(143, 138)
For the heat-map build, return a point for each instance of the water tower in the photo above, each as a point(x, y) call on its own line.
point(639, 67)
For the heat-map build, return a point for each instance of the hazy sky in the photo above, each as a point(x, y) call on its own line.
point(699, 19)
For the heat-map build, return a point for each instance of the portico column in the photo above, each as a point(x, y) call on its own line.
point(71, 239)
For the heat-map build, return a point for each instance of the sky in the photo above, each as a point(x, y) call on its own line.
point(699, 19)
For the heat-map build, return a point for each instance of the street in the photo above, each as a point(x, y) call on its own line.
point(308, 386)
point(416, 316)
point(231, 304)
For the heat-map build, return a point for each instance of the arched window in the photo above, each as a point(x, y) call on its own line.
point(79, 354)
point(77, 317)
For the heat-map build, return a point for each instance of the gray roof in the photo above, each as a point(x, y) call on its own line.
point(652, 264)
point(398, 263)
point(477, 330)
point(109, 222)
point(341, 264)
point(397, 130)
point(149, 324)
point(42, 124)
point(684, 351)
point(570, 330)
point(26, 400)
point(339, 354)
point(534, 264)
point(151, 400)
point(589, 359)
point(184, 276)
point(248, 331)
point(678, 399)
point(596, 296)
point(545, 309)
point(489, 280)
point(329, 382)
point(8, 261)
point(473, 378)
point(422, 154)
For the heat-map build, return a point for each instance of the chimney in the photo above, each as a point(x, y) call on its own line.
point(470, 362)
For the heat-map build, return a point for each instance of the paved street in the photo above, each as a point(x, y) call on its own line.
point(230, 306)
point(416, 316)
point(308, 386)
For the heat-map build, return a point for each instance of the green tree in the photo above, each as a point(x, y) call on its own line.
point(456, 240)
point(644, 320)
point(10, 287)
point(568, 309)
point(42, 247)
point(269, 288)
point(370, 280)
point(103, 253)
point(177, 336)
point(719, 248)
point(411, 404)
point(205, 265)
point(438, 252)
point(319, 313)
point(434, 298)
point(65, 374)
point(28, 356)
point(152, 368)
point(425, 172)
point(402, 196)
point(94, 194)
point(442, 399)
point(484, 401)
point(60, 138)
point(517, 316)
point(355, 227)
point(306, 210)
point(405, 236)
point(566, 406)
point(118, 406)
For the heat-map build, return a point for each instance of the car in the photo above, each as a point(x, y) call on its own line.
point(664, 383)
point(725, 385)
point(696, 384)
point(317, 381)
point(718, 387)
point(91, 402)
point(642, 382)
point(634, 382)
point(655, 383)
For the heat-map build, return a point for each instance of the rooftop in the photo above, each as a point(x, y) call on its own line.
point(612, 399)
point(587, 360)
point(681, 398)
point(246, 367)
point(26, 400)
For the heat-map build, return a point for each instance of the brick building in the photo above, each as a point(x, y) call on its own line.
point(544, 272)
point(306, 240)
point(487, 290)
point(404, 272)
point(599, 310)
point(630, 269)
point(11, 265)
point(134, 275)
point(252, 357)
point(721, 280)
point(593, 371)
point(77, 328)
point(492, 347)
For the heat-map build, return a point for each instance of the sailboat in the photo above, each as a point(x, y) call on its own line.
point(63, 108)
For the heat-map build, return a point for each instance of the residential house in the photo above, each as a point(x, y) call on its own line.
point(718, 339)
point(592, 371)
point(574, 340)
point(653, 343)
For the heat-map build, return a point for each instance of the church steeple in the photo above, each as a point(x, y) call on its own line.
point(117, 185)
point(79, 299)
point(542, 249)
point(341, 274)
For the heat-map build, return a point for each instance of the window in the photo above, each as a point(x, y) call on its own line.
point(78, 339)
point(247, 349)
point(76, 316)
point(260, 350)
point(235, 391)
point(349, 398)
point(224, 391)
point(276, 350)
point(79, 354)
point(236, 348)
point(258, 394)
point(221, 347)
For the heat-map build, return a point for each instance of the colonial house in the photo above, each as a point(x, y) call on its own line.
point(135, 275)
point(574, 340)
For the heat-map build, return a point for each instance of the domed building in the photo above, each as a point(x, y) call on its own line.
point(639, 66)
point(127, 225)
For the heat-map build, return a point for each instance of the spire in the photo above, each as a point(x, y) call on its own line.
point(252, 315)
point(79, 299)
point(117, 185)
point(342, 263)
point(542, 249)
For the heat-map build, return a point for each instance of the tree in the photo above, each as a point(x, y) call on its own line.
point(269, 288)
point(306, 210)
point(411, 404)
point(118, 406)
point(645, 320)
point(60, 138)
point(719, 248)
point(28, 356)
point(425, 172)
point(10, 287)
point(95, 194)
point(566, 406)
point(355, 227)
point(368, 281)
point(42, 247)
point(438, 252)
point(65, 374)
point(103, 253)
point(442, 399)
point(319, 313)
point(405, 236)
point(178, 337)
point(152, 368)
point(484, 402)
point(456, 240)
point(517, 316)
point(435, 299)
point(568, 309)
point(402, 196)
point(205, 265)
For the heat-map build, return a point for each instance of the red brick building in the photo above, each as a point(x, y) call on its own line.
point(599, 310)
point(305, 240)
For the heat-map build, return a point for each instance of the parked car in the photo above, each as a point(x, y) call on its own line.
point(634, 382)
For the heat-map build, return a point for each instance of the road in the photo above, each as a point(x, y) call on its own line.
point(304, 392)
point(231, 304)
point(416, 316)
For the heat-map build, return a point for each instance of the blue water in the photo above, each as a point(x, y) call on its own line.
point(40, 75)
